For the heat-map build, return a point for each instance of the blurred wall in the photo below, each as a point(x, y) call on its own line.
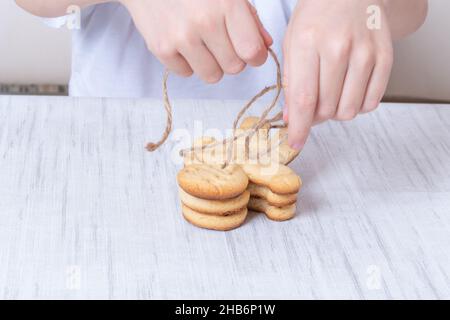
point(31, 52)
point(422, 61)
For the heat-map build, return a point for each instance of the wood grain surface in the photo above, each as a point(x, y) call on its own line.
point(86, 212)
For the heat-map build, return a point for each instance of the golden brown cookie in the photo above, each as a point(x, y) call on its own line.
point(220, 223)
point(272, 212)
point(213, 182)
point(274, 199)
point(257, 144)
point(215, 207)
point(285, 153)
point(280, 151)
point(207, 155)
point(249, 122)
point(261, 148)
point(278, 178)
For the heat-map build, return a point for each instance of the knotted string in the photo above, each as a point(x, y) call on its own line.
point(153, 146)
point(247, 134)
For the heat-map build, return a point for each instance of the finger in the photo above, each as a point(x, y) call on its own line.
point(173, 61)
point(245, 34)
point(286, 47)
point(219, 44)
point(202, 62)
point(355, 86)
point(286, 114)
point(333, 68)
point(302, 92)
point(378, 83)
point(268, 40)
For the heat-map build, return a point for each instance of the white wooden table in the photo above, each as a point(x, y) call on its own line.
point(86, 212)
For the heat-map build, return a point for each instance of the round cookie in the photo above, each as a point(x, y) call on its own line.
point(277, 177)
point(273, 213)
point(213, 182)
point(219, 223)
point(215, 207)
point(277, 200)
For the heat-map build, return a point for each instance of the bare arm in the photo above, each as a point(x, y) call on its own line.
point(52, 8)
point(405, 16)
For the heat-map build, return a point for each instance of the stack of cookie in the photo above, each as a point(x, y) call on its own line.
point(273, 190)
point(218, 198)
point(214, 197)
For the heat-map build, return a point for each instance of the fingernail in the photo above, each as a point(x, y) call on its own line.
point(297, 146)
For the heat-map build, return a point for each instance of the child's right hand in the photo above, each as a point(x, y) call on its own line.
point(207, 37)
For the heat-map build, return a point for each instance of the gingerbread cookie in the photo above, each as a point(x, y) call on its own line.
point(280, 151)
point(250, 122)
point(285, 153)
point(278, 178)
point(212, 156)
point(274, 199)
point(272, 212)
point(273, 190)
point(251, 149)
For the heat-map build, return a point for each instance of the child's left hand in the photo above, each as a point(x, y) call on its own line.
point(335, 66)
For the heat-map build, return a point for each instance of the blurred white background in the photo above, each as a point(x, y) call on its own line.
point(31, 52)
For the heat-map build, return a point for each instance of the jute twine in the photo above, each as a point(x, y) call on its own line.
point(273, 122)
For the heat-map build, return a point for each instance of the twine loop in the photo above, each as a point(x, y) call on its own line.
point(274, 122)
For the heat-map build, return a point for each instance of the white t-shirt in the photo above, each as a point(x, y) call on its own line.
point(110, 58)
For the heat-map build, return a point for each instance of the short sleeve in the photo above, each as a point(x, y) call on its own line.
point(56, 23)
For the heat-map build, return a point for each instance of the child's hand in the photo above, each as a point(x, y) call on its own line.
point(335, 66)
point(207, 37)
